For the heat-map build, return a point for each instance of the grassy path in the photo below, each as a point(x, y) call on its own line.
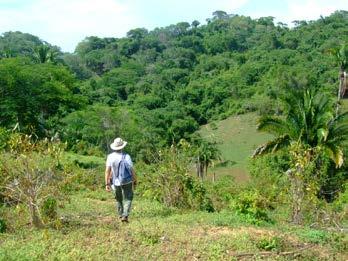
point(89, 230)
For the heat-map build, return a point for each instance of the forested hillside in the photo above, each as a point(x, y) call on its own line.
point(157, 87)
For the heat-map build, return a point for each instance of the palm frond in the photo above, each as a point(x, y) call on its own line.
point(341, 118)
point(336, 155)
point(273, 125)
point(272, 146)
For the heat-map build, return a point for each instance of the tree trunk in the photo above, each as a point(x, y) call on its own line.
point(34, 214)
point(341, 89)
point(198, 169)
point(201, 170)
point(206, 169)
point(297, 191)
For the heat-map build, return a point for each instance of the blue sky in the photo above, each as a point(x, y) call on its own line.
point(67, 22)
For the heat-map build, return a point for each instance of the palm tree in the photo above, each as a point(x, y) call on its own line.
point(206, 153)
point(45, 54)
point(309, 129)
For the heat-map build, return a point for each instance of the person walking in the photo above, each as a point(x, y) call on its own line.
point(120, 176)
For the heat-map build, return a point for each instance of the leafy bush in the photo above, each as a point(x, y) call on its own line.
point(77, 178)
point(252, 205)
point(222, 191)
point(170, 182)
point(270, 243)
point(269, 179)
point(31, 173)
point(340, 205)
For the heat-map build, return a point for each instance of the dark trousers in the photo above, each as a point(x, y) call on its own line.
point(124, 197)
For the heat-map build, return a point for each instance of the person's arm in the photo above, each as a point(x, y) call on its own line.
point(107, 178)
point(134, 176)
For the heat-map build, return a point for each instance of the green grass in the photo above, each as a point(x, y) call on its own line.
point(237, 137)
point(89, 230)
point(84, 161)
point(345, 104)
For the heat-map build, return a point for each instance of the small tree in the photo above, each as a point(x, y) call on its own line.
point(168, 180)
point(30, 173)
point(205, 154)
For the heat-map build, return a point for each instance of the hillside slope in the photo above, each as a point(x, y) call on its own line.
point(237, 137)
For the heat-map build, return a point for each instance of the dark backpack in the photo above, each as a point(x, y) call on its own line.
point(124, 172)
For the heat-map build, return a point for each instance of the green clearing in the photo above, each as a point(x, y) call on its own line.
point(237, 137)
point(84, 161)
point(89, 230)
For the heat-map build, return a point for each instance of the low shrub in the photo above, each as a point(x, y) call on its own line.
point(222, 191)
point(31, 172)
point(169, 181)
point(270, 243)
point(252, 205)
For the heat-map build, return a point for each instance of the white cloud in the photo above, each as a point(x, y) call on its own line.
point(312, 9)
point(66, 22)
point(287, 11)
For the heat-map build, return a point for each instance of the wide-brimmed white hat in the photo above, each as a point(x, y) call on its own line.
point(118, 144)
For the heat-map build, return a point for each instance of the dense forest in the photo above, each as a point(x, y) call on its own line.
point(157, 87)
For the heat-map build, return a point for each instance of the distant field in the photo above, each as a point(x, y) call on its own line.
point(237, 137)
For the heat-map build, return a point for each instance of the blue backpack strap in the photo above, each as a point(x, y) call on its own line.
point(122, 159)
point(118, 167)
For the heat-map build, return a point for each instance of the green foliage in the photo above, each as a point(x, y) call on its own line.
point(268, 177)
point(3, 226)
point(4, 137)
point(315, 236)
point(34, 96)
point(270, 243)
point(49, 208)
point(14, 44)
point(149, 237)
point(174, 78)
point(222, 191)
point(99, 126)
point(89, 217)
point(78, 178)
point(30, 173)
point(313, 135)
point(252, 205)
point(169, 181)
point(340, 204)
